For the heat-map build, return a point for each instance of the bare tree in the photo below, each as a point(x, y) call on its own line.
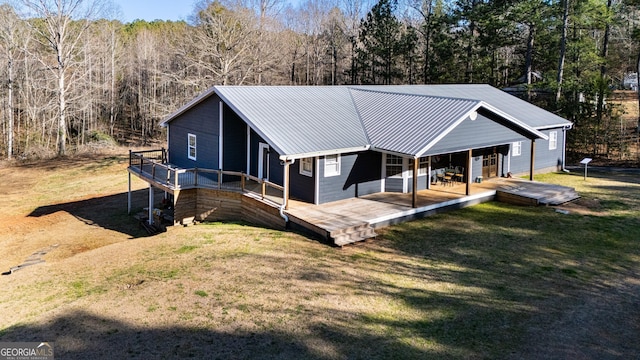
point(61, 30)
point(12, 38)
point(563, 48)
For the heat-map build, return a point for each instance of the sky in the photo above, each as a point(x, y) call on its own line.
point(155, 9)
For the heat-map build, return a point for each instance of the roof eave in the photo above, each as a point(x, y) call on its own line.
point(324, 153)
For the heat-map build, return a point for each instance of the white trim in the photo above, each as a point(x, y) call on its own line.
point(220, 137)
point(262, 150)
point(195, 146)
point(317, 183)
point(338, 166)
point(406, 173)
point(301, 169)
point(373, 222)
point(324, 153)
point(383, 173)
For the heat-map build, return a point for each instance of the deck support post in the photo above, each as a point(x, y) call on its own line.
point(129, 196)
point(533, 155)
point(468, 174)
point(151, 202)
point(414, 200)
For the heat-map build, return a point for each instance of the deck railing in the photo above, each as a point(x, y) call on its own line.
point(152, 165)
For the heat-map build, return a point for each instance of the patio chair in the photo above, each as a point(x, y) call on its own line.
point(459, 174)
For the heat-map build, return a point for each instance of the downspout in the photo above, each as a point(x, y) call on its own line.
point(285, 195)
point(564, 147)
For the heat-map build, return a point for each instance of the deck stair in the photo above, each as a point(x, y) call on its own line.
point(352, 234)
point(535, 193)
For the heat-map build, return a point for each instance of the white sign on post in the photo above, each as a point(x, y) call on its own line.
point(586, 162)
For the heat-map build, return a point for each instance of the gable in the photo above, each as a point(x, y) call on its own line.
point(472, 134)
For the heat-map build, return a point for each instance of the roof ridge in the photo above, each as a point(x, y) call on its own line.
point(410, 94)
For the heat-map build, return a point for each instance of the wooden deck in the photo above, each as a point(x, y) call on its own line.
point(352, 220)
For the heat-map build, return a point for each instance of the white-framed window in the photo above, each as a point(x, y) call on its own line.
point(394, 165)
point(516, 148)
point(553, 140)
point(423, 165)
point(306, 166)
point(331, 165)
point(191, 151)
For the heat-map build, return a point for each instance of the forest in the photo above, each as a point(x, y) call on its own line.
point(74, 76)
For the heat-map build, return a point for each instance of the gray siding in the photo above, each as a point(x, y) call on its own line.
point(544, 159)
point(234, 141)
point(359, 175)
point(201, 121)
point(479, 133)
point(302, 186)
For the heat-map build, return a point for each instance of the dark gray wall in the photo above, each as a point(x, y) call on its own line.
point(359, 175)
point(234, 141)
point(302, 186)
point(202, 121)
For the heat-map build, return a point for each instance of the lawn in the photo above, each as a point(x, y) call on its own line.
point(489, 281)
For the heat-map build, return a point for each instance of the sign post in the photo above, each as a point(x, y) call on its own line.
point(586, 162)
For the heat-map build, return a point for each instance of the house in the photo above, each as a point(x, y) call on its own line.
point(329, 143)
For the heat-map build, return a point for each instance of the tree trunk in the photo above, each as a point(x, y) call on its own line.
point(10, 100)
point(563, 49)
point(62, 119)
point(529, 59)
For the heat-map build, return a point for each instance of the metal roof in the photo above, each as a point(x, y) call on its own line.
point(305, 121)
point(299, 119)
point(404, 123)
point(527, 113)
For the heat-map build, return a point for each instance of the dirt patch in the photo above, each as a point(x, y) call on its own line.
point(583, 207)
point(51, 202)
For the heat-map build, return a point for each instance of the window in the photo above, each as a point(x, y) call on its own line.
point(191, 152)
point(553, 140)
point(423, 166)
point(516, 148)
point(331, 165)
point(306, 166)
point(394, 165)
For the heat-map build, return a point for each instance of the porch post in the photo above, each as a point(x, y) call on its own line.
point(151, 202)
point(414, 200)
point(533, 155)
point(469, 164)
point(129, 196)
point(285, 194)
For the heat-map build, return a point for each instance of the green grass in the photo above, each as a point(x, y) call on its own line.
point(472, 283)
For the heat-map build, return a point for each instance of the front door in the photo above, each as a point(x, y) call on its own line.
point(263, 161)
point(490, 165)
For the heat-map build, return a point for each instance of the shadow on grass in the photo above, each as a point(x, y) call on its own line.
point(533, 267)
point(109, 212)
point(81, 335)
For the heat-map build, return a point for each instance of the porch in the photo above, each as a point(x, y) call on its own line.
point(355, 219)
point(201, 194)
